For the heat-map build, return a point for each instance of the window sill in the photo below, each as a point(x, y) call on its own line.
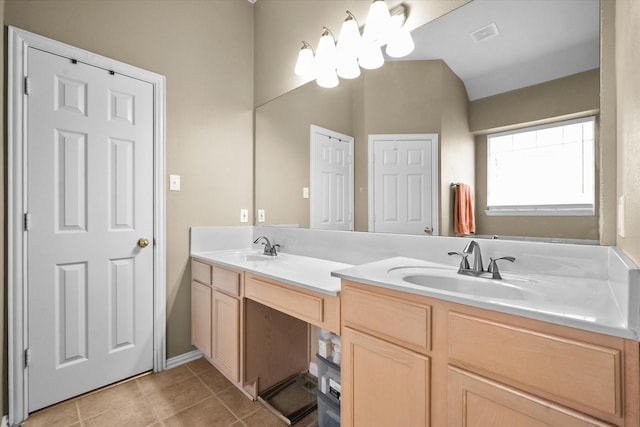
point(569, 210)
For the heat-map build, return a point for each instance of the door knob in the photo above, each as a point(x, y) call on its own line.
point(143, 242)
point(427, 230)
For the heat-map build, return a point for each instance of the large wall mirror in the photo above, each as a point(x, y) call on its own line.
point(542, 66)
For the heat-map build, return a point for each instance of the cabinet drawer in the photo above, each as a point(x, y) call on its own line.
point(201, 272)
point(396, 320)
point(298, 304)
point(226, 280)
point(569, 371)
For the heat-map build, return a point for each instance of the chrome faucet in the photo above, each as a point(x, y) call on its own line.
point(473, 248)
point(269, 249)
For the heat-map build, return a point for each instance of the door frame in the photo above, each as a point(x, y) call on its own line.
point(313, 182)
point(435, 175)
point(19, 41)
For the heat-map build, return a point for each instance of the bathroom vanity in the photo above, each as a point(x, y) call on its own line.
point(253, 326)
point(532, 349)
point(427, 361)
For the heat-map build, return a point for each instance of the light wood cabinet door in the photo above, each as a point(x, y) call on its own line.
point(383, 384)
point(201, 317)
point(225, 334)
point(475, 401)
point(583, 375)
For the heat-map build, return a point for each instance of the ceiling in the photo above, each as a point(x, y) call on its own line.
point(538, 40)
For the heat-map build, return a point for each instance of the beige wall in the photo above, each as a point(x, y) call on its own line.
point(536, 104)
point(457, 146)
point(283, 155)
point(628, 122)
point(607, 123)
point(400, 97)
point(422, 97)
point(566, 97)
point(205, 50)
point(281, 25)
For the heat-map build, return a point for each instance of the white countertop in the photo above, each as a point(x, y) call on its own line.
point(593, 288)
point(584, 303)
point(306, 272)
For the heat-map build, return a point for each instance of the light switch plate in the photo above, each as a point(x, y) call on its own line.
point(174, 182)
point(305, 192)
point(260, 215)
point(244, 215)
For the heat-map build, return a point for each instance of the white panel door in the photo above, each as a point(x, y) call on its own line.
point(331, 202)
point(90, 199)
point(404, 187)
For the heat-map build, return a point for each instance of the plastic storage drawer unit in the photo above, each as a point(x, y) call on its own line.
point(328, 412)
point(329, 379)
point(328, 393)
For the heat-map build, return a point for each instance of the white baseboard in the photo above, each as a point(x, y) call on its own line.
point(183, 358)
point(5, 422)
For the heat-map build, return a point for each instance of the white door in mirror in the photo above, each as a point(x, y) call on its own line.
point(331, 170)
point(404, 183)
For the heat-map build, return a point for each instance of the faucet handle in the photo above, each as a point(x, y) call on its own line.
point(464, 262)
point(493, 266)
point(274, 251)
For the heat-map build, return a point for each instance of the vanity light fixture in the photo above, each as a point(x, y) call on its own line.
point(371, 56)
point(348, 48)
point(352, 51)
point(378, 24)
point(326, 60)
point(304, 65)
point(400, 41)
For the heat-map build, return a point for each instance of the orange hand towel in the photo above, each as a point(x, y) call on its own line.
point(463, 217)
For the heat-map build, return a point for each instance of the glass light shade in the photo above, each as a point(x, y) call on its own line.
point(348, 48)
point(371, 56)
point(304, 65)
point(400, 44)
point(328, 79)
point(349, 39)
point(348, 68)
point(377, 28)
point(325, 60)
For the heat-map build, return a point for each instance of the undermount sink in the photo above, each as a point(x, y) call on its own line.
point(248, 256)
point(447, 279)
point(477, 286)
point(259, 257)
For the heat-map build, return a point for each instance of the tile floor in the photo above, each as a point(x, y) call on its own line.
point(190, 395)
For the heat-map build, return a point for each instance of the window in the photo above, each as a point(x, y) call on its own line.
point(542, 170)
